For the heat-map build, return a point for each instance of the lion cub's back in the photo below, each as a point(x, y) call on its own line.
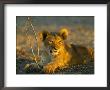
point(85, 55)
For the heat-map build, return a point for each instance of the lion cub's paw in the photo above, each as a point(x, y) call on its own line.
point(49, 69)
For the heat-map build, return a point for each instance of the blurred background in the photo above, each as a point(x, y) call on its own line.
point(81, 27)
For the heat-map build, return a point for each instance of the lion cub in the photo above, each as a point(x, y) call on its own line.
point(59, 54)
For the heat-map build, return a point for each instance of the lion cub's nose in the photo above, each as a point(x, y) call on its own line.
point(55, 48)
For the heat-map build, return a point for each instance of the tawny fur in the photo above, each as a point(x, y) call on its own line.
point(62, 54)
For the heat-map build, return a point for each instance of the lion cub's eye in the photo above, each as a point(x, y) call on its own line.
point(50, 42)
point(60, 41)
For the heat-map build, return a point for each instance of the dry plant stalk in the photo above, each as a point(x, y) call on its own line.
point(29, 23)
point(39, 41)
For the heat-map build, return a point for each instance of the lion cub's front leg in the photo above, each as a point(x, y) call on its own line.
point(50, 67)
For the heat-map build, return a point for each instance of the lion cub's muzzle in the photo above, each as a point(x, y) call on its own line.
point(54, 51)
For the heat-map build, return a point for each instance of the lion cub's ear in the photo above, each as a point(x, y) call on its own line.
point(63, 33)
point(43, 35)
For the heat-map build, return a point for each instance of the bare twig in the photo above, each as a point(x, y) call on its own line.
point(27, 25)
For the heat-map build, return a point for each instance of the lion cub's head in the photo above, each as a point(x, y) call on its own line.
point(54, 41)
